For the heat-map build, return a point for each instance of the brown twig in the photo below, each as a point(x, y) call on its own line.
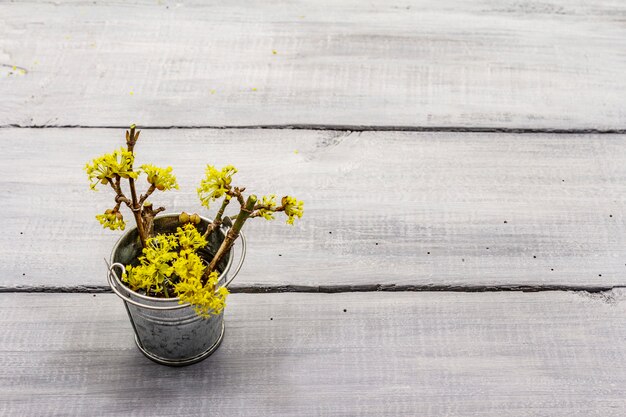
point(145, 196)
point(148, 215)
point(217, 221)
point(237, 193)
point(131, 139)
point(231, 236)
point(259, 207)
point(119, 195)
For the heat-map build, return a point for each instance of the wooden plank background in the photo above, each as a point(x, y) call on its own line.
point(401, 354)
point(555, 64)
point(389, 208)
point(401, 193)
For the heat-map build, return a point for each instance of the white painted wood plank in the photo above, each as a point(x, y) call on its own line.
point(516, 64)
point(381, 208)
point(403, 354)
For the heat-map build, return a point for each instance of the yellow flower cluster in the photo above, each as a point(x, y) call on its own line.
point(173, 259)
point(215, 183)
point(154, 266)
point(104, 168)
point(189, 238)
point(204, 298)
point(293, 208)
point(161, 178)
point(112, 220)
point(269, 202)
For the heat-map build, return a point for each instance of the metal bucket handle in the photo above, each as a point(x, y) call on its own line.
point(112, 276)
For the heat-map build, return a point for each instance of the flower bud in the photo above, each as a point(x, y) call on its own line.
point(119, 216)
point(194, 218)
point(108, 211)
point(160, 187)
point(104, 181)
point(183, 218)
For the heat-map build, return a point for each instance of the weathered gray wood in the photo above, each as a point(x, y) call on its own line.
point(381, 208)
point(522, 64)
point(403, 354)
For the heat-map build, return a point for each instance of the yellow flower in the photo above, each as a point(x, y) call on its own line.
point(205, 300)
point(188, 266)
point(215, 183)
point(142, 277)
point(161, 178)
point(104, 168)
point(269, 202)
point(154, 267)
point(112, 220)
point(160, 249)
point(189, 237)
point(172, 259)
point(293, 208)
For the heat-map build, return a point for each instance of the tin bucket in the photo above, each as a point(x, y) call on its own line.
point(166, 331)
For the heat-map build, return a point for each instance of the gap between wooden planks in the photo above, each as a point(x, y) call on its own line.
point(346, 129)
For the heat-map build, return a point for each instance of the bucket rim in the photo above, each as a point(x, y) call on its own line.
point(155, 299)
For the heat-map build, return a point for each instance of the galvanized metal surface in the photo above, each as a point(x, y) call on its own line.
point(167, 331)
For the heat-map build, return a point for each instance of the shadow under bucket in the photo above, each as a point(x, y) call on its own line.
point(166, 331)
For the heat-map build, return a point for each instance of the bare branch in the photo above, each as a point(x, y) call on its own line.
point(231, 236)
point(122, 199)
point(119, 195)
point(259, 207)
point(147, 215)
point(217, 222)
point(131, 139)
point(236, 192)
point(145, 196)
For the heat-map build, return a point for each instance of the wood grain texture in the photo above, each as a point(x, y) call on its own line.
point(434, 354)
point(513, 64)
point(442, 209)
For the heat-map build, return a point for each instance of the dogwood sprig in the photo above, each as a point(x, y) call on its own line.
point(171, 264)
point(215, 184)
point(161, 178)
point(267, 207)
point(112, 220)
point(293, 208)
point(110, 166)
